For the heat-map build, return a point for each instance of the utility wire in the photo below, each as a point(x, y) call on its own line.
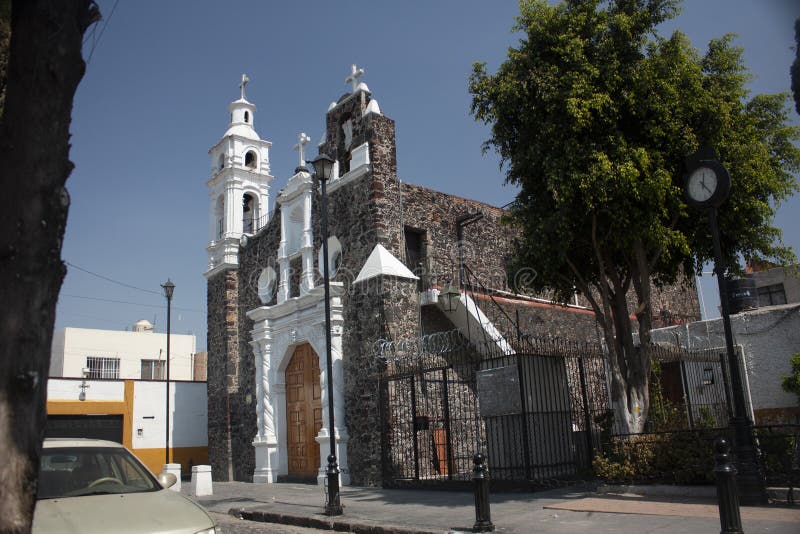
point(100, 35)
point(128, 302)
point(112, 280)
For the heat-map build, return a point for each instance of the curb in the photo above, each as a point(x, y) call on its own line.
point(325, 523)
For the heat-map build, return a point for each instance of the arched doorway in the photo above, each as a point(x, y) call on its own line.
point(303, 413)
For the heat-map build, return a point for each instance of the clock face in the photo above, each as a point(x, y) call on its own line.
point(702, 184)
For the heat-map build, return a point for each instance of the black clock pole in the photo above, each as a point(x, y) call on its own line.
point(749, 478)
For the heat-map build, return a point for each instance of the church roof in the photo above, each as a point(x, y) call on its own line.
point(381, 262)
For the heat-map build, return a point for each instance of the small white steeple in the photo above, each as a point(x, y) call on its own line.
point(239, 185)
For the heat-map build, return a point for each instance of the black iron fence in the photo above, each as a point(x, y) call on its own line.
point(541, 412)
point(445, 398)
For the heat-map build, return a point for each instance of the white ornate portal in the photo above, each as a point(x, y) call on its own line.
point(277, 331)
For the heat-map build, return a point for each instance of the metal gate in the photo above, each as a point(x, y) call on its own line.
point(108, 427)
point(443, 399)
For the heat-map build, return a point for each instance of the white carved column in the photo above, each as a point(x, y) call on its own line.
point(279, 402)
point(307, 280)
point(263, 205)
point(212, 218)
point(283, 261)
point(230, 216)
point(340, 428)
point(265, 444)
point(259, 391)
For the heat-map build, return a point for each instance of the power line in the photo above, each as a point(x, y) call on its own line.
point(128, 302)
point(106, 278)
point(100, 35)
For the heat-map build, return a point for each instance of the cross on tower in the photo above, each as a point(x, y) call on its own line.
point(302, 141)
point(355, 74)
point(245, 79)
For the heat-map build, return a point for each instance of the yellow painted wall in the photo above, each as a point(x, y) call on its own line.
point(152, 458)
point(123, 408)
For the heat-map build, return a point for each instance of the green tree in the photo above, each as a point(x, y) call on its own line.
point(795, 69)
point(593, 114)
point(791, 383)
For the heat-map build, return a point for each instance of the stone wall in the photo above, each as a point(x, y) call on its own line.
point(222, 342)
point(375, 208)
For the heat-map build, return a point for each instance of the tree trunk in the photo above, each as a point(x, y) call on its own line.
point(44, 69)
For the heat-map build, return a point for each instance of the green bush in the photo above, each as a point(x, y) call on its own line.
point(791, 383)
point(672, 454)
point(672, 458)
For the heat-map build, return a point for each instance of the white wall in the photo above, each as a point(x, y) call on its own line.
point(768, 336)
point(71, 347)
point(188, 414)
point(98, 390)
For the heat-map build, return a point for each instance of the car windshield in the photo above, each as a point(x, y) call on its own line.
point(76, 471)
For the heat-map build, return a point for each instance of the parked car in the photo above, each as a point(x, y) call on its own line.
point(90, 485)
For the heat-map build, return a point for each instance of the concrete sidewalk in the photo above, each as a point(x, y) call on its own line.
point(562, 511)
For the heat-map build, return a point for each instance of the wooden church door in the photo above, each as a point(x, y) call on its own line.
point(303, 412)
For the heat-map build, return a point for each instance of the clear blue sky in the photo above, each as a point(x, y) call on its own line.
point(154, 98)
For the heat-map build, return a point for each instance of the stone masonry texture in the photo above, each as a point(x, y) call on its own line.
point(374, 209)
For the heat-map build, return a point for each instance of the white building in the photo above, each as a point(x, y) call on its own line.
point(113, 354)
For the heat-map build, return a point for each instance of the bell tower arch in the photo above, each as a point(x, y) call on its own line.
point(239, 185)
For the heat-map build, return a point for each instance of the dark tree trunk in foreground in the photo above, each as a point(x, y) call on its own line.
point(44, 69)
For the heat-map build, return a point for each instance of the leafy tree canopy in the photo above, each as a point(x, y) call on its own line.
point(795, 70)
point(593, 115)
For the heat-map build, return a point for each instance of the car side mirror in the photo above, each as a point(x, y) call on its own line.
point(167, 480)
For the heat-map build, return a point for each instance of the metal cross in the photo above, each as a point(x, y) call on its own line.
point(355, 74)
point(245, 79)
point(302, 141)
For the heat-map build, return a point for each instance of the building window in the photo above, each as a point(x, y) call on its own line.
point(771, 295)
point(102, 367)
point(250, 160)
point(246, 117)
point(415, 254)
point(249, 212)
point(152, 369)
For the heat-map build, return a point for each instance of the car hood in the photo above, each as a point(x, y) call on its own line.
point(164, 511)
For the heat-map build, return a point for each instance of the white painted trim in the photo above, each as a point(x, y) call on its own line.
point(381, 262)
point(351, 176)
point(277, 330)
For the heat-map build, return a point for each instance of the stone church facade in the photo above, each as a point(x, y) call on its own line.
point(393, 246)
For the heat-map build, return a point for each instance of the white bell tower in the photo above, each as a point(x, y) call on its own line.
point(239, 186)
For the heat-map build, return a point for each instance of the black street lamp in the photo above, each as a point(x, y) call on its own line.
point(169, 288)
point(323, 166)
point(707, 187)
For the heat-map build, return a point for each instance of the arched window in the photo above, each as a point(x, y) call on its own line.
point(246, 116)
point(249, 213)
point(221, 162)
point(250, 160)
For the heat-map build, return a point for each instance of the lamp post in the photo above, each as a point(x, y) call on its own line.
point(449, 297)
point(323, 166)
point(169, 288)
point(707, 187)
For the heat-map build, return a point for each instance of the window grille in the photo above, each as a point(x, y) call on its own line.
point(102, 367)
point(771, 295)
point(152, 370)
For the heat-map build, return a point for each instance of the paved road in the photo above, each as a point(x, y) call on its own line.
point(231, 525)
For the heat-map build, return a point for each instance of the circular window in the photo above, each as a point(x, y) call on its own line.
point(266, 285)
